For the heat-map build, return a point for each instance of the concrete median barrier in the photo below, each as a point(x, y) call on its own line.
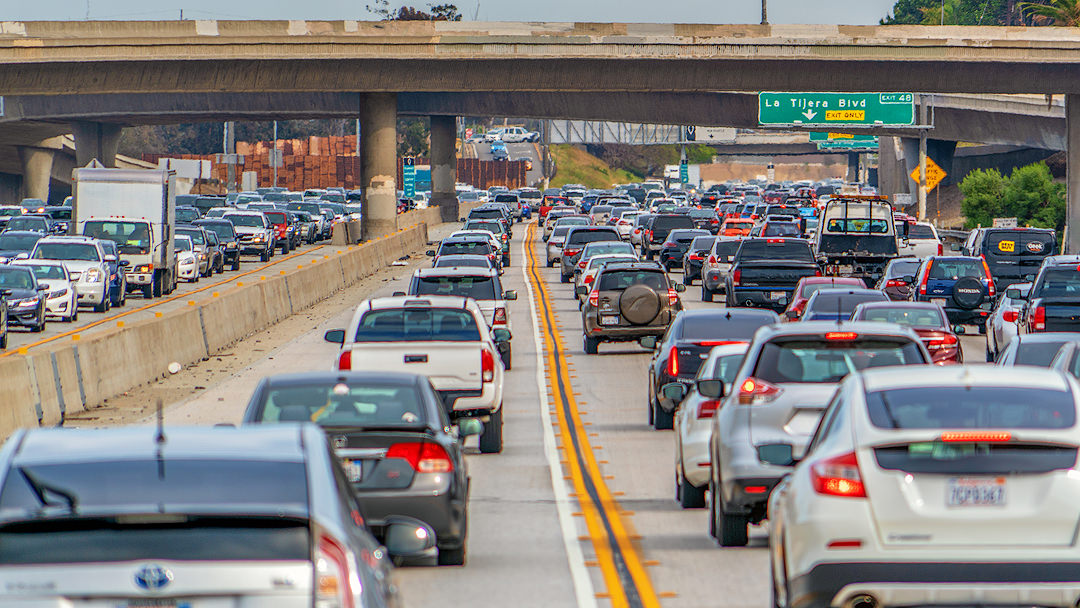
point(67, 377)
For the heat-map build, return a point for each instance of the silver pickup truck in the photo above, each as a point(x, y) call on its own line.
point(442, 337)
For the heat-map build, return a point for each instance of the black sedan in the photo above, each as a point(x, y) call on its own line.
point(25, 297)
point(399, 449)
point(699, 249)
point(15, 243)
point(687, 343)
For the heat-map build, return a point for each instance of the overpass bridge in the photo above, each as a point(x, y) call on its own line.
point(102, 75)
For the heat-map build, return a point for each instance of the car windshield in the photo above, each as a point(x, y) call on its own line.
point(1060, 282)
point(971, 407)
point(903, 315)
point(475, 287)
point(247, 221)
point(277, 217)
point(724, 367)
point(130, 236)
point(197, 236)
point(1039, 354)
point(9, 212)
point(619, 280)
point(81, 252)
point(18, 242)
point(857, 225)
point(16, 278)
point(951, 269)
point(224, 232)
point(465, 247)
point(824, 360)
point(418, 325)
point(339, 404)
point(184, 216)
point(48, 271)
point(903, 268)
point(27, 223)
point(182, 244)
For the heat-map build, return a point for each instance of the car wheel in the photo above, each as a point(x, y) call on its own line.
point(236, 264)
point(452, 557)
point(104, 306)
point(563, 278)
point(491, 439)
point(712, 507)
point(147, 291)
point(507, 358)
point(3, 340)
point(690, 496)
point(662, 421)
point(730, 527)
point(706, 294)
point(982, 328)
point(592, 345)
point(688, 278)
point(989, 353)
point(551, 263)
point(265, 256)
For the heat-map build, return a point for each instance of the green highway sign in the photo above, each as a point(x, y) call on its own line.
point(847, 145)
point(816, 137)
point(408, 172)
point(880, 109)
point(684, 172)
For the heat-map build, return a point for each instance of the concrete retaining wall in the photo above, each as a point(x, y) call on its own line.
point(69, 376)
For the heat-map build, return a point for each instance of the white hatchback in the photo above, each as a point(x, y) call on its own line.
point(953, 486)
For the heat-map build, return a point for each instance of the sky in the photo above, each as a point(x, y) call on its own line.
point(849, 12)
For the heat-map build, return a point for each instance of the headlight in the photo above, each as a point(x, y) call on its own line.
point(26, 302)
point(58, 294)
point(144, 268)
point(92, 276)
point(202, 256)
point(187, 259)
point(231, 245)
point(257, 238)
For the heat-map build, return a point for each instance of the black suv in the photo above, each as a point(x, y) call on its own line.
point(657, 230)
point(1011, 253)
point(228, 242)
point(576, 239)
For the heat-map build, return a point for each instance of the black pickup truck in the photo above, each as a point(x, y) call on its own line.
point(765, 271)
point(1054, 300)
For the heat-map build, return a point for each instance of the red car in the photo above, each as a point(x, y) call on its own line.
point(280, 221)
point(924, 318)
point(552, 201)
point(806, 288)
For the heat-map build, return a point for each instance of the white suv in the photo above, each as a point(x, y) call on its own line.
point(513, 135)
point(87, 264)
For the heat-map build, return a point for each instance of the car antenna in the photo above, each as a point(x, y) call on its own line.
point(839, 310)
point(159, 439)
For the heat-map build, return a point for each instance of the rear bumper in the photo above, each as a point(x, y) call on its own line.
point(928, 583)
point(442, 511)
point(757, 298)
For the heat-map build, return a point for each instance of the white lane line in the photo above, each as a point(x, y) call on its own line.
point(583, 587)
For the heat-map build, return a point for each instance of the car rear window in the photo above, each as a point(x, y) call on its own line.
point(908, 316)
point(338, 404)
point(776, 249)
point(418, 325)
point(1039, 354)
point(725, 250)
point(476, 287)
point(904, 268)
point(1019, 243)
point(702, 243)
point(618, 280)
point(971, 407)
point(954, 268)
point(920, 231)
point(671, 222)
point(603, 247)
point(1060, 282)
point(15, 242)
point(835, 300)
point(464, 261)
point(724, 368)
point(709, 327)
point(580, 237)
point(465, 247)
point(782, 229)
point(815, 359)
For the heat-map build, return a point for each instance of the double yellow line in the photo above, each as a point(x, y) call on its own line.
point(623, 570)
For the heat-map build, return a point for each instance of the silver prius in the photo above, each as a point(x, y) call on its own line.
point(187, 518)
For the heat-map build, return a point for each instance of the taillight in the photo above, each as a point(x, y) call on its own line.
point(946, 342)
point(706, 409)
point(589, 279)
point(1038, 318)
point(673, 362)
point(712, 259)
point(422, 457)
point(940, 249)
point(817, 272)
point(838, 476)
point(500, 315)
point(333, 586)
point(926, 277)
point(694, 256)
point(487, 365)
point(344, 362)
point(581, 264)
point(976, 436)
point(736, 277)
point(755, 392)
point(989, 279)
point(1010, 316)
point(672, 297)
point(895, 283)
point(594, 298)
point(669, 244)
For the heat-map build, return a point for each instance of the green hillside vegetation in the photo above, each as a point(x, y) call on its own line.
point(576, 166)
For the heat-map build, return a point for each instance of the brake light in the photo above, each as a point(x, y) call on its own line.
point(719, 342)
point(571, 252)
point(940, 249)
point(976, 436)
point(817, 272)
point(332, 580)
point(673, 362)
point(589, 278)
point(695, 257)
point(774, 240)
point(672, 297)
point(706, 409)
point(594, 298)
point(1038, 318)
point(422, 457)
point(581, 264)
point(926, 277)
point(487, 365)
point(989, 278)
point(755, 392)
point(500, 316)
point(838, 476)
point(841, 335)
point(1010, 316)
point(946, 342)
point(895, 283)
point(344, 363)
point(736, 277)
point(669, 244)
point(712, 259)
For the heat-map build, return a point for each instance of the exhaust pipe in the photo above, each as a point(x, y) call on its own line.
point(863, 601)
point(750, 303)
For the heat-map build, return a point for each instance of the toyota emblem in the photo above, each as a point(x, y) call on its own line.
point(153, 577)
point(340, 441)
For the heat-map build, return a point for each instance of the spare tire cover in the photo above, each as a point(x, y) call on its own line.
point(968, 293)
point(639, 304)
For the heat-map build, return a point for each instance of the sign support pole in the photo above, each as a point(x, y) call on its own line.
point(922, 158)
point(275, 164)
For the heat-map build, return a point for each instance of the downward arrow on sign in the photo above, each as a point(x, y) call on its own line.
point(809, 114)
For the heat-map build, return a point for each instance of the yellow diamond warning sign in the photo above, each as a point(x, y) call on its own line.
point(934, 174)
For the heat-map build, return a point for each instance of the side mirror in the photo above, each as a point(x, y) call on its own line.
point(335, 336)
point(502, 335)
point(792, 315)
point(23, 256)
point(42, 286)
point(907, 230)
point(778, 454)
point(1029, 278)
point(581, 290)
point(959, 330)
point(398, 294)
point(430, 253)
point(675, 391)
point(408, 538)
point(110, 257)
point(469, 426)
point(510, 295)
point(124, 263)
point(713, 389)
point(649, 342)
point(1014, 294)
point(679, 287)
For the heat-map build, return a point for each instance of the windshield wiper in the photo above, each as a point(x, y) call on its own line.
point(888, 410)
point(42, 489)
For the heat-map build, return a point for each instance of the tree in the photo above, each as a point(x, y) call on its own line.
point(982, 190)
point(439, 12)
point(413, 137)
point(1029, 194)
point(957, 12)
point(1056, 12)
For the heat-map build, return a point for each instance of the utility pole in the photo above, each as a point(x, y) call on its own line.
point(275, 163)
point(922, 156)
point(764, 12)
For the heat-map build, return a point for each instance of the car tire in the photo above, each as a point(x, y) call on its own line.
point(989, 353)
point(491, 439)
point(688, 279)
point(563, 278)
point(4, 340)
point(507, 358)
point(662, 421)
point(264, 256)
point(452, 557)
point(592, 345)
point(236, 264)
point(551, 263)
point(40, 325)
point(730, 527)
point(103, 307)
point(982, 328)
point(711, 504)
point(148, 291)
point(706, 293)
point(690, 496)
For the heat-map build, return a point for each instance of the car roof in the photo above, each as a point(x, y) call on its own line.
point(1062, 260)
point(277, 442)
point(1049, 336)
point(69, 239)
point(731, 314)
point(901, 304)
point(456, 272)
point(392, 302)
point(328, 377)
point(824, 327)
point(831, 281)
point(964, 375)
point(641, 265)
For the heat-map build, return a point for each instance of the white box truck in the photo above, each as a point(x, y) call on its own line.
point(135, 208)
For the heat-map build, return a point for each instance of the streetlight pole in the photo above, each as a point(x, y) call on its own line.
point(764, 12)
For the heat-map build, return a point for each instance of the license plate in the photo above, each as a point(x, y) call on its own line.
point(354, 469)
point(845, 269)
point(975, 492)
point(777, 295)
point(609, 319)
point(937, 301)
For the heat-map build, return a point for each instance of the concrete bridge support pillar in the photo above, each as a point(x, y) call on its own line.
point(444, 166)
point(37, 164)
point(378, 162)
point(96, 140)
point(1072, 173)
